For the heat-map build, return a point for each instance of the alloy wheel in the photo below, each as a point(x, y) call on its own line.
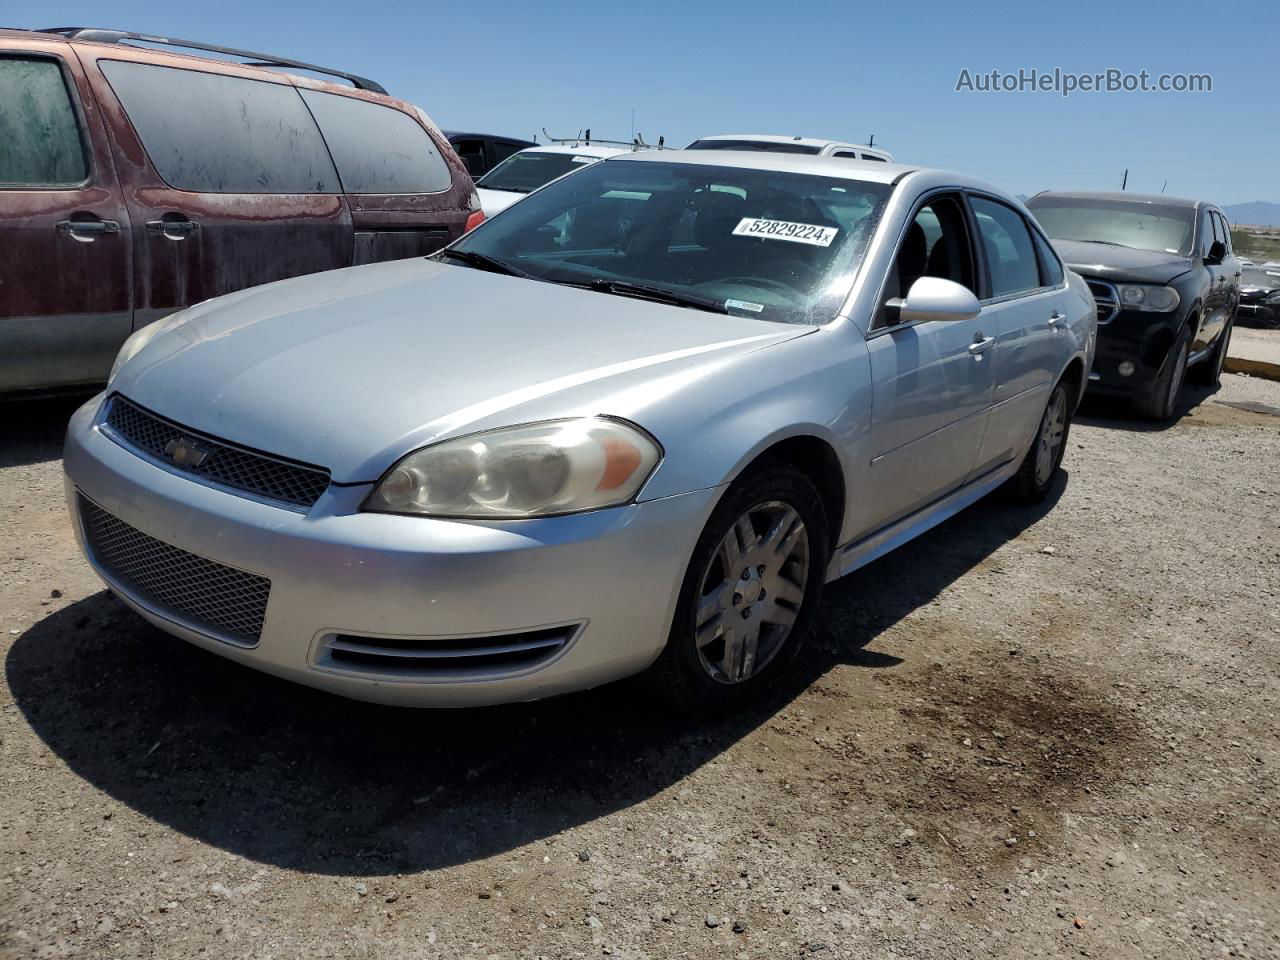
point(751, 592)
point(1052, 431)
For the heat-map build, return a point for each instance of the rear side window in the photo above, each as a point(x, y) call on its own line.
point(1226, 231)
point(378, 149)
point(1050, 265)
point(211, 133)
point(1006, 239)
point(40, 143)
point(872, 156)
point(505, 148)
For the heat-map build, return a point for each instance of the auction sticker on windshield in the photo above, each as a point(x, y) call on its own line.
point(810, 233)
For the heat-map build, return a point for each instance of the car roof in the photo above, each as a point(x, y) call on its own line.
point(1125, 196)
point(802, 141)
point(451, 134)
point(844, 167)
point(581, 149)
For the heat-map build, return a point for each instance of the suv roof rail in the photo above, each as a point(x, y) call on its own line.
point(637, 144)
point(100, 35)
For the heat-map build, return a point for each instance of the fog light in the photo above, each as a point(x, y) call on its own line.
point(1126, 369)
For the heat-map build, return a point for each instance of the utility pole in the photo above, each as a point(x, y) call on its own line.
point(1125, 182)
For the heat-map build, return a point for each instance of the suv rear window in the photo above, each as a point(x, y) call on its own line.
point(378, 149)
point(212, 133)
point(40, 143)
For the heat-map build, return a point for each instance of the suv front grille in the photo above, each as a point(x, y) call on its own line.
point(1107, 298)
point(216, 461)
point(436, 658)
point(209, 596)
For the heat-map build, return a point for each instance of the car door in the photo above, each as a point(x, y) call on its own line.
point(1024, 308)
point(228, 181)
point(65, 261)
point(932, 382)
point(1231, 271)
point(400, 192)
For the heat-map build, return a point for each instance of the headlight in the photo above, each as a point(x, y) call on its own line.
point(560, 466)
point(1140, 296)
point(139, 339)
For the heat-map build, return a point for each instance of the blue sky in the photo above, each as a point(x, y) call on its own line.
point(841, 70)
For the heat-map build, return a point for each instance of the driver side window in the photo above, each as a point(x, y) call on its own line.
point(936, 244)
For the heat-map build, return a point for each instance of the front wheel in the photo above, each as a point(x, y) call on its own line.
point(749, 592)
point(1039, 468)
point(1161, 400)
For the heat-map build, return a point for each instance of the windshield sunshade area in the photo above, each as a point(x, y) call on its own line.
point(526, 172)
point(1143, 226)
point(757, 243)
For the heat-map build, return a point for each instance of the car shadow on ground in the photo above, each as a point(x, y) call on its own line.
point(31, 431)
point(1115, 414)
point(281, 774)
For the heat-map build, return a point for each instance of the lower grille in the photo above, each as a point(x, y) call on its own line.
point(208, 596)
point(214, 460)
point(443, 658)
point(1107, 298)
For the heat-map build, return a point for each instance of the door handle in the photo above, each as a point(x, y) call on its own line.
point(1055, 320)
point(981, 345)
point(173, 229)
point(86, 230)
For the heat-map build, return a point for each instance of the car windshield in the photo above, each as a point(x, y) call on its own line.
point(526, 171)
point(757, 243)
point(1143, 226)
point(764, 146)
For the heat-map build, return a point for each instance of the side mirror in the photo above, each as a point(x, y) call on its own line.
point(933, 298)
point(1217, 253)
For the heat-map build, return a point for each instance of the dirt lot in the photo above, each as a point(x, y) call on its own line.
point(1034, 732)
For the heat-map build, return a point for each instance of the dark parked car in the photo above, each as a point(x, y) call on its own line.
point(135, 182)
point(1166, 283)
point(1260, 297)
point(481, 152)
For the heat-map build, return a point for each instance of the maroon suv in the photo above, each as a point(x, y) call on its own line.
point(136, 181)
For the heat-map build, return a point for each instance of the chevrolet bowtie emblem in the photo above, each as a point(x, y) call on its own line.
point(185, 453)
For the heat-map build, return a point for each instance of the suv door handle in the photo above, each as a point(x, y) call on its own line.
point(173, 229)
point(1055, 320)
point(86, 230)
point(981, 345)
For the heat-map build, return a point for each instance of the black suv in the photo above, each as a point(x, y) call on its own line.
point(1166, 282)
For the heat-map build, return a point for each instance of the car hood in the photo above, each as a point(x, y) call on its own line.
point(495, 201)
point(1120, 264)
point(353, 368)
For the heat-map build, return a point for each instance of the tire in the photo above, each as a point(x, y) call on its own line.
point(709, 662)
point(1208, 373)
point(1161, 399)
point(1039, 468)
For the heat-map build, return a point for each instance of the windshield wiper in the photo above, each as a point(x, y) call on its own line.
point(482, 261)
point(642, 291)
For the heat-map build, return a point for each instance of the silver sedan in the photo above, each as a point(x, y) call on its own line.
point(634, 422)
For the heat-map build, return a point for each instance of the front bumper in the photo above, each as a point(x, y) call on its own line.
point(612, 574)
point(1142, 339)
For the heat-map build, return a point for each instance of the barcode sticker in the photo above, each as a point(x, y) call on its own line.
point(810, 233)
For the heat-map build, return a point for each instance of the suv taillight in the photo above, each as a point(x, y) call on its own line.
point(474, 221)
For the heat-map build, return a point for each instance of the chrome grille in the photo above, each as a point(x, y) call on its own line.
point(428, 658)
point(225, 464)
point(209, 596)
point(1107, 299)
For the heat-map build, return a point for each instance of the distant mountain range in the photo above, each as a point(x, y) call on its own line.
point(1259, 213)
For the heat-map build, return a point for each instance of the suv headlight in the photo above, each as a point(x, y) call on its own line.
point(535, 470)
point(1141, 296)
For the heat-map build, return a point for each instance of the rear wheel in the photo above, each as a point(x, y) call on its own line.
point(749, 592)
point(1039, 467)
point(1161, 399)
point(1208, 373)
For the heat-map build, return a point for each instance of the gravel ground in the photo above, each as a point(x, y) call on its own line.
point(1034, 732)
